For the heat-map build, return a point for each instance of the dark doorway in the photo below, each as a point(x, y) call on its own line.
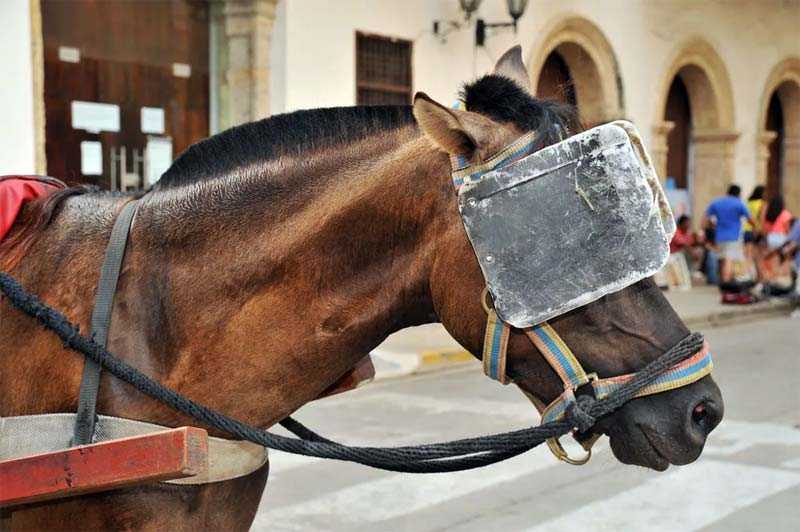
point(775, 161)
point(555, 80)
point(128, 56)
point(678, 112)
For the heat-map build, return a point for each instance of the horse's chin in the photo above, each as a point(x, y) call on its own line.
point(667, 429)
point(644, 447)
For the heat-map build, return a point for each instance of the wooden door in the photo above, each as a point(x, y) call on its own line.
point(131, 54)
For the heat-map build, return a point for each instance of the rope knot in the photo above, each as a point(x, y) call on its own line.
point(578, 413)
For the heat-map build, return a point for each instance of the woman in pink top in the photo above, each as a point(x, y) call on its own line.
point(776, 222)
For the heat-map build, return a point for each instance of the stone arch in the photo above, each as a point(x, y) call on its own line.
point(783, 85)
point(712, 137)
point(592, 67)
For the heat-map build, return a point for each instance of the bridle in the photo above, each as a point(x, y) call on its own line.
point(576, 381)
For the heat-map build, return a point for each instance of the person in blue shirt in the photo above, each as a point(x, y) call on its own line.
point(727, 213)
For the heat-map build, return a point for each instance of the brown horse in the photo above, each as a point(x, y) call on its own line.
point(272, 257)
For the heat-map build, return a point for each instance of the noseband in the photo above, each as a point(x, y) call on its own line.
point(550, 344)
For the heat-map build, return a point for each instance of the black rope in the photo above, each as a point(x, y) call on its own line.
point(455, 455)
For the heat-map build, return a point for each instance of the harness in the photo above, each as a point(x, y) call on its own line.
point(546, 339)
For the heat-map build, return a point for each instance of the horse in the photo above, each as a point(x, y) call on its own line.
point(270, 258)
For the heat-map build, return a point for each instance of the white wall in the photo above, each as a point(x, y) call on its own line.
point(313, 54)
point(17, 138)
point(750, 37)
point(277, 61)
point(320, 48)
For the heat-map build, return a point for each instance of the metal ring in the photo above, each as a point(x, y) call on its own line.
point(560, 453)
point(580, 461)
point(485, 302)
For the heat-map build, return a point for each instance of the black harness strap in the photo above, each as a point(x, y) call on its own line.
point(101, 322)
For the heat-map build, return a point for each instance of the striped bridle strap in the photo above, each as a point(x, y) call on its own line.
point(466, 173)
point(574, 377)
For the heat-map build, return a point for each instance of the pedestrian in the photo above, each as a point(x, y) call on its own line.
point(775, 267)
point(710, 261)
point(752, 232)
point(755, 205)
point(727, 213)
point(775, 223)
point(683, 237)
point(792, 248)
point(687, 242)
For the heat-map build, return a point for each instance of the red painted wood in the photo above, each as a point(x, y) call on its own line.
point(176, 453)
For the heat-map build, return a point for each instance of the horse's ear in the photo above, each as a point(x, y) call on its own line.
point(510, 65)
point(454, 131)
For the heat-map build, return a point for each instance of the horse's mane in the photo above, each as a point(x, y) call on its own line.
point(301, 131)
point(285, 134)
point(295, 133)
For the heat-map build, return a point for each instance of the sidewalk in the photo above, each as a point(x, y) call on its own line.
point(700, 308)
point(429, 347)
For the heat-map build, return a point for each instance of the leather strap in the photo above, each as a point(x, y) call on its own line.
point(101, 322)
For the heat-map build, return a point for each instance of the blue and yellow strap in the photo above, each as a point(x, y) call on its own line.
point(560, 357)
point(464, 173)
point(495, 346)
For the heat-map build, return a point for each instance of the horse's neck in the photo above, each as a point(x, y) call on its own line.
point(278, 303)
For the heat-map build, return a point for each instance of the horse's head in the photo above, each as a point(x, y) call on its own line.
point(617, 334)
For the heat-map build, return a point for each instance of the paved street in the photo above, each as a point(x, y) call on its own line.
point(747, 479)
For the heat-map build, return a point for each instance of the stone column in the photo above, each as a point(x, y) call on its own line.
point(659, 149)
point(791, 173)
point(244, 49)
point(763, 140)
point(712, 165)
point(37, 59)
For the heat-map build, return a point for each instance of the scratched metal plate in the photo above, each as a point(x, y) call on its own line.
point(566, 225)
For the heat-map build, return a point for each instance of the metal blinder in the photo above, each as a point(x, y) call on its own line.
point(568, 224)
point(555, 230)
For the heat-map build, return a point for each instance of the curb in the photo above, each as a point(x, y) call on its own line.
point(736, 315)
point(393, 364)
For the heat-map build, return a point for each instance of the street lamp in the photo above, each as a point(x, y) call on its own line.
point(469, 7)
point(516, 8)
point(441, 28)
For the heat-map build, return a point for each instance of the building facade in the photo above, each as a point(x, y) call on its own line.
point(713, 86)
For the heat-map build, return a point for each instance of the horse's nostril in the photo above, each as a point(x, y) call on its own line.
point(699, 413)
point(705, 416)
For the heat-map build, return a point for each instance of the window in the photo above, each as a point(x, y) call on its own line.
point(383, 70)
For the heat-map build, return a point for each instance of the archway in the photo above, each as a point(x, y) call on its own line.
point(778, 147)
point(679, 113)
point(574, 63)
point(693, 135)
point(555, 80)
point(775, 149)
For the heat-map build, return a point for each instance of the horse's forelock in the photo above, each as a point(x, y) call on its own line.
point(502, 100)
